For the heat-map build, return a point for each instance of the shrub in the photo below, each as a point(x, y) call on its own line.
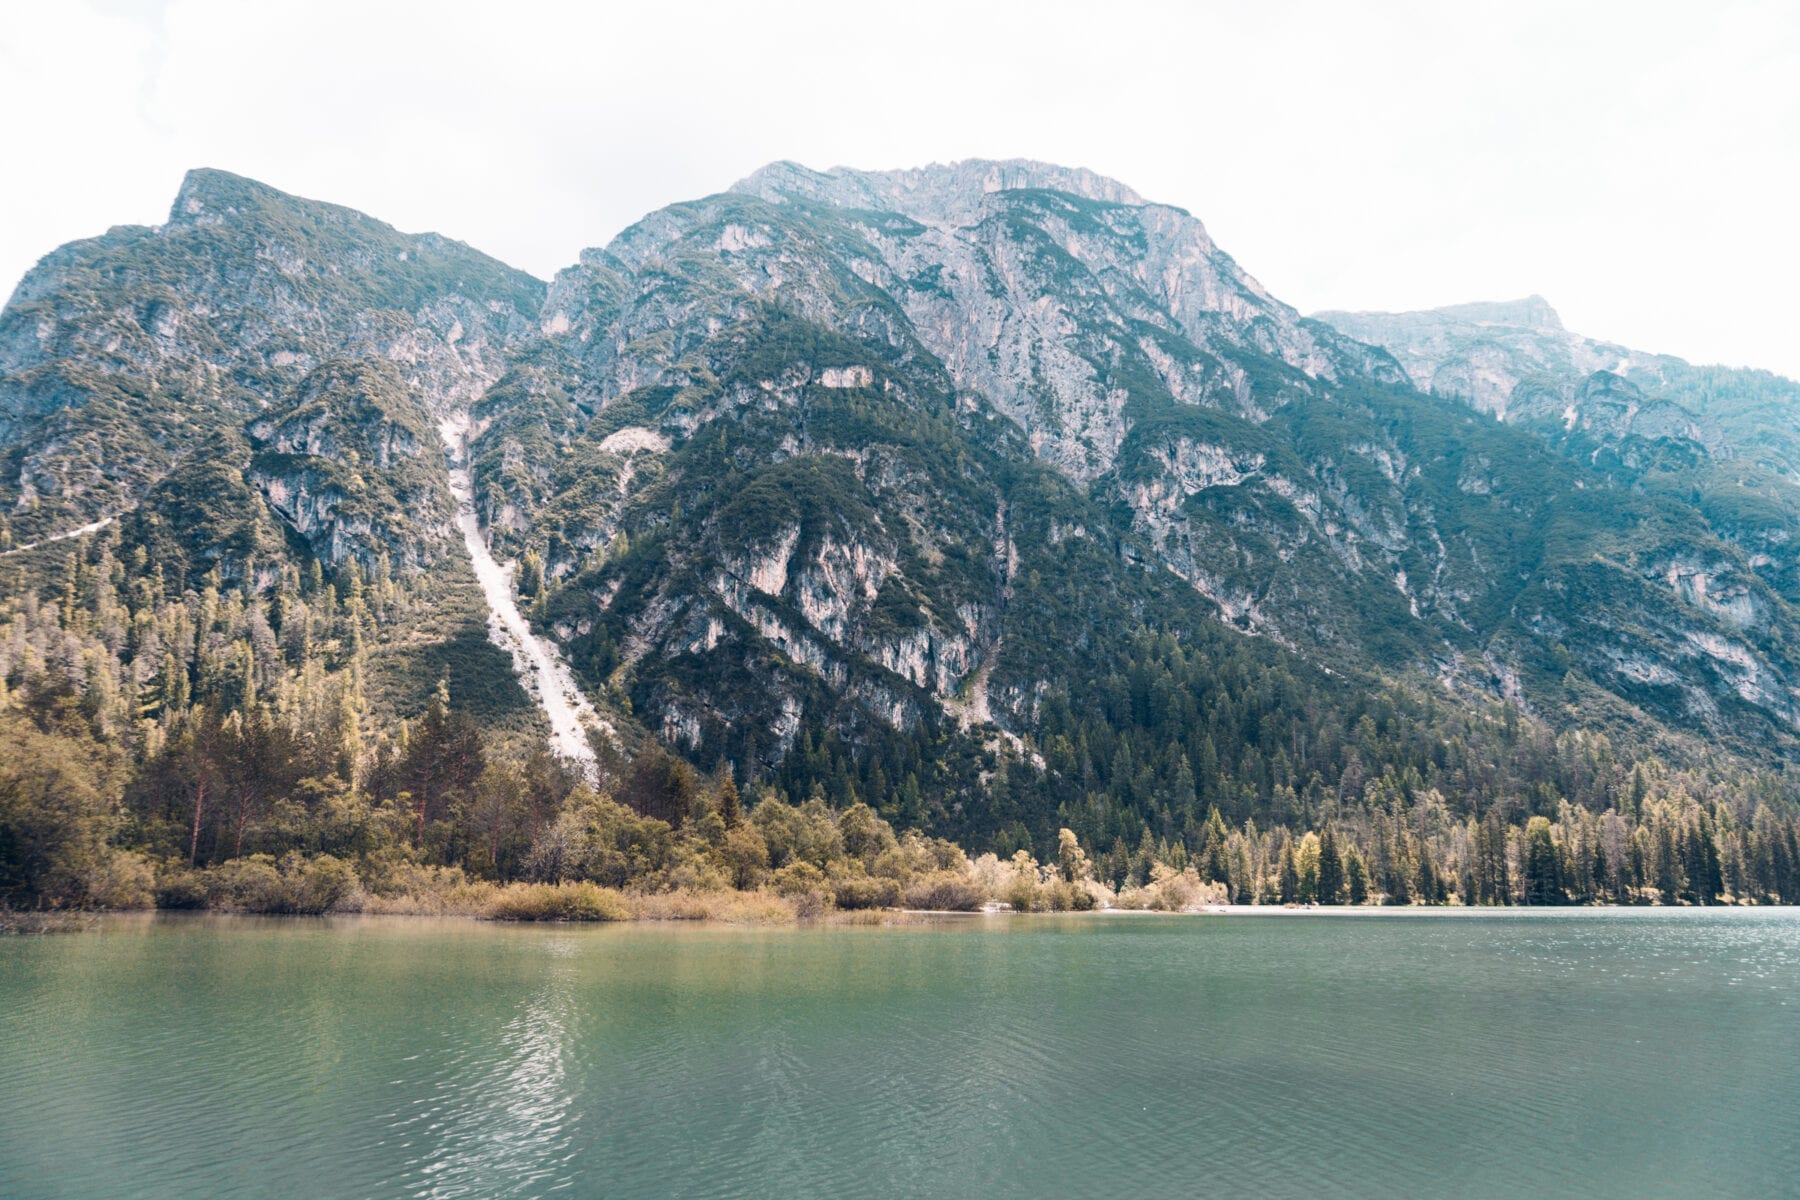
point(398, 886)
point(1061, 896)
point(316, 885)
point(866, 892)
point(250, 884)
point(119, 879)
point(1132, 899)
point(945, 891)
point(798, 877)
point(257, 884)
point(1173, 891)
point(1021, 892)
point(690, 873)
point(582, 901)
point(738, 908)
point(810, 905)
point(178, 887)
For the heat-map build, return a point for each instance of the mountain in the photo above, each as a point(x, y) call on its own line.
point(252, 388)
point(1048, 318)
point(990, 493)
point(126, 354)
point(1719, 442)
point(1516, 361)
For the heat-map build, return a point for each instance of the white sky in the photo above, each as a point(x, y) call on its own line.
point(1636, 163)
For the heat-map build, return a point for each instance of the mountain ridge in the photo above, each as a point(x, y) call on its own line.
point(815, 487)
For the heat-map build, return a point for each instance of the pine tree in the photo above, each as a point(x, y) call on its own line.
point(1358, 874)
point(1668, 864)
point(1431, 880)
point(1306, 864)
point(1331, 870)
point(1213, 862)
point(1543, 882)
point(728, 802)
point(1290, 875)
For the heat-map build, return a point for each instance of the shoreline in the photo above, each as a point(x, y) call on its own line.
point(41, 924)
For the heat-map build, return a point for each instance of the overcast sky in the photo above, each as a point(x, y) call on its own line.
point(1637, 164)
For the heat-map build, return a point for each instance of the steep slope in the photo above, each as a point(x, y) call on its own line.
point(252, 389)
point(121, 355)
point(901, 345)
point(990, 493)
point(540, 668)
point(1516, 361)
point(758, 390)
point(1717, 448)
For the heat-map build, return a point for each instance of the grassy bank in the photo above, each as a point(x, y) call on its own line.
point(603, 861)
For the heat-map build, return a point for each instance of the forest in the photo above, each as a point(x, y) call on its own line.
point(228, 746)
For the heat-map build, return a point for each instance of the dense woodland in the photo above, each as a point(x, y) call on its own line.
point(218, 746)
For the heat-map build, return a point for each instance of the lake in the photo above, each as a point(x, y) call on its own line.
point(1577, 1053)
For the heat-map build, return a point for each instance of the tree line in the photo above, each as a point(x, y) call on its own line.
point(156, 734)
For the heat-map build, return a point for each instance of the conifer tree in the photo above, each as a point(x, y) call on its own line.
point(1358, 876)
point(1331, 869)
point(728, 801)
point(1543, 877)
point(1290, 875)
point(1306, 866)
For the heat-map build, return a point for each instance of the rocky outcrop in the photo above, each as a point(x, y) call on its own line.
point(351, 465)
point(886, 455)
point(118, 352)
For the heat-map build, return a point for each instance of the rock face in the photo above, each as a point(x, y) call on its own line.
point(1720, 446)
point(1516, 361)
point(1281, 469)
point(350, 463)
point(1483, 351)
point(857, 455)
point(1058, 294)
point(120, 355)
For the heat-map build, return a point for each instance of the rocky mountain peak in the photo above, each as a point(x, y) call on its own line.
point(209, 196)
point(936, 194)
point(1071, 304)
point(1533, 312)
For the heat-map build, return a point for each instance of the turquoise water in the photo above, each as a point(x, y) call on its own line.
point(1587, 1054)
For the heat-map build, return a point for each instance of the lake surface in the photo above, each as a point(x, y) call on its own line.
point(1590, 1054)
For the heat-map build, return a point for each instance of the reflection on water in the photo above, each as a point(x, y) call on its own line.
point(1502, 1055)
point(502, 1120)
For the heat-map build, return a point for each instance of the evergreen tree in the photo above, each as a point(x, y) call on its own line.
point(1331, 870)
point(728, 802)
point(1358, 875)
point(1306, 865)
point(1289, 876)
point(1543, 877)
point(1601, 873)
point(1214, 864)
point(1668, 864)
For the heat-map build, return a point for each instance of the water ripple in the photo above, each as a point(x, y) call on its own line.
point(1500, 1055)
